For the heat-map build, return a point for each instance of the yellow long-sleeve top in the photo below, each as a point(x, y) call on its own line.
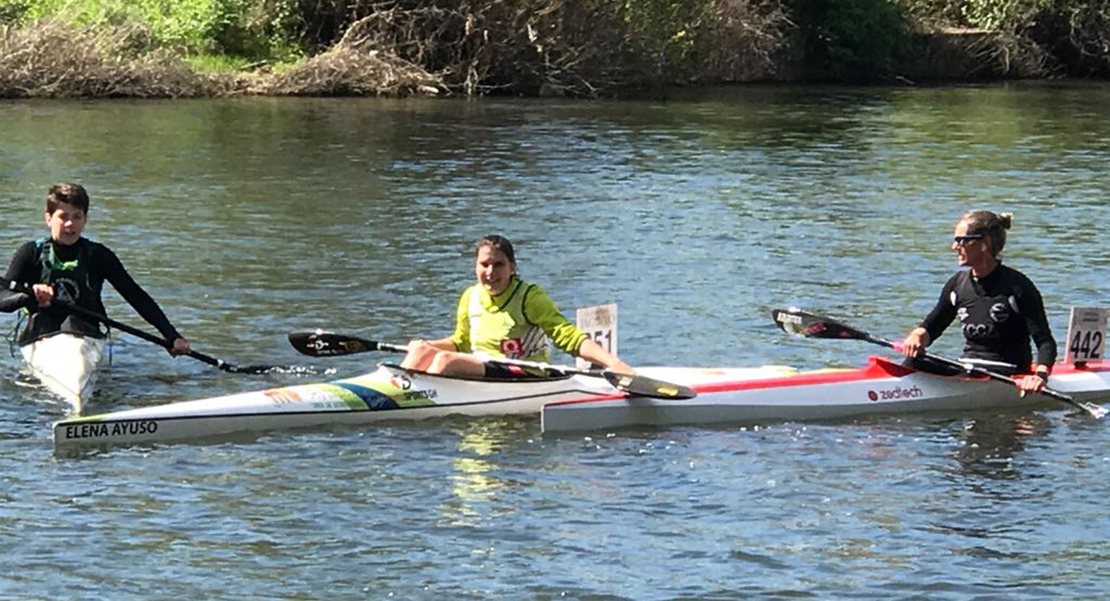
point(516, 324)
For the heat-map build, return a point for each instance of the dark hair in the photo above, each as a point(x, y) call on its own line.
point(70, 194)
point(993, 225)
point(501, 243)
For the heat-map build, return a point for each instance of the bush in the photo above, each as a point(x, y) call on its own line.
point(12, 12)
point(854, 41)
point(573, 47)
point(261, 29)
point(1073, 34)
point(1077, 33)
point(52, 59)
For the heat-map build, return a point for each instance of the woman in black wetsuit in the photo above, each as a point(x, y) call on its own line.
point(999, 307)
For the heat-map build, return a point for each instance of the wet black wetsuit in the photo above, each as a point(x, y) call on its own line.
point(87, 265)
point(998, 314)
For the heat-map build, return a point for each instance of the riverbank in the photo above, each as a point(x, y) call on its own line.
point(565, 50)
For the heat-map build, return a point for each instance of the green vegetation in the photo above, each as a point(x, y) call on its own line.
point(1077, 33)
point(248, 28)
point(1072, 36)
point(855, 41)
point(218, 63)
point(529, 47)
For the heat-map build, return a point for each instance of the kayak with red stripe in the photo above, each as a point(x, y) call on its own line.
point(879, 387)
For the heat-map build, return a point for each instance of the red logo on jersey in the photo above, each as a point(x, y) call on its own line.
point(512, 348)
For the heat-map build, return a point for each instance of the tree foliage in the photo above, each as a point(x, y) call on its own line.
point(852, 40)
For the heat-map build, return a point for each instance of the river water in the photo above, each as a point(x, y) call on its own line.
point(248, 218)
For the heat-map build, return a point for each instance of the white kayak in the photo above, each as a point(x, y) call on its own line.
point(729, 396)
point(67, 364)
point(388, 393)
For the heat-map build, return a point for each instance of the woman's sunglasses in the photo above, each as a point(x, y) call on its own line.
point(962, 240)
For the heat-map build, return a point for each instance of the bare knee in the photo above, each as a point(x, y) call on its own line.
point(441, 363)
point(457, 364)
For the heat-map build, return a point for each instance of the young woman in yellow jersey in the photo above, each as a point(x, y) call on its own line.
point(502, 316)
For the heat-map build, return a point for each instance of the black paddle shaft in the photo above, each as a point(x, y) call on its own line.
point(320, 343)
point(162, 342)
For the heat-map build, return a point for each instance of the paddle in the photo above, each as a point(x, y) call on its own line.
point(92, 315)
point(318, 343)
point(803, 323)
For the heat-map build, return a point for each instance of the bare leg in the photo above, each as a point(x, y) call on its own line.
point(419, 357)
point(458, 364)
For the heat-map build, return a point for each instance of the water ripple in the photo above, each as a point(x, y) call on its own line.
point(250, 218)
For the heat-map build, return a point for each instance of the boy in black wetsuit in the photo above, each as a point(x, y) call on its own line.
point(999, 307)
point(72, 269)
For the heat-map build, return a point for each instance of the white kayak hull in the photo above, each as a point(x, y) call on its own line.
point(388, 393)
point(67, 365)
point(728, 397)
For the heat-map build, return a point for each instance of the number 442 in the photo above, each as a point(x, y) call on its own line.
point(1086, 345)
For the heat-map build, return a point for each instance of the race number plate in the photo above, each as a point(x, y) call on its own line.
point(1086, 335)
point(600, 324)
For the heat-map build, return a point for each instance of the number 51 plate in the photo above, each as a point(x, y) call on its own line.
point(600, 324)
point(1086, 335)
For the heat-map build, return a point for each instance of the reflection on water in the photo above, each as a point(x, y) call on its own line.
point(989, 446)
point(472, 483)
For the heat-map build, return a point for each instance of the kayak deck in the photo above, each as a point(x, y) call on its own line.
point(67, 365)
point(388, 393)
point(573, 403)
point(880, 387)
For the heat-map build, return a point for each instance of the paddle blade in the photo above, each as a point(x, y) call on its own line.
point(318, 343)
point(810, 325)
point(649, 387)
point(260, 370)
point(1093, 410)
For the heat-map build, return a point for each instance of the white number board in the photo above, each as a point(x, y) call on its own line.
point(600, 324)
point(1086, 335)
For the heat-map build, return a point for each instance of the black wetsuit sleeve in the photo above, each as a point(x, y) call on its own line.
point(20, 269)
point(1032, 307)
point(129, 289)
point(943, 313)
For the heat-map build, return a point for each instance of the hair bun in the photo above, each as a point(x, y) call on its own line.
point(1007, 219)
